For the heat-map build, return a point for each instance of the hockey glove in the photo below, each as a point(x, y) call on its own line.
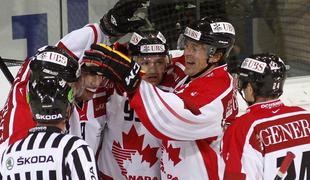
point(116, 66)
point(233, 65)
point(117, 21)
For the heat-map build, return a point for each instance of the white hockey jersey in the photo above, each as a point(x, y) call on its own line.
point(87, 121)
point(189, 122)
point(129, 150)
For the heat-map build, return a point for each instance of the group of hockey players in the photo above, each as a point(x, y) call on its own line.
point(87, 108)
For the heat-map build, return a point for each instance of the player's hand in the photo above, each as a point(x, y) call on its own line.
point(117, 21)
point(233, 65)
point(115, 66)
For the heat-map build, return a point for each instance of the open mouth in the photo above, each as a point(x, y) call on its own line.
point(152, 77)
point(91, 90)
point(189, 63)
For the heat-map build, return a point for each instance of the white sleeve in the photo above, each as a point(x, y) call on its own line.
point(78, 41)
point(252, 164)
point(165, 115)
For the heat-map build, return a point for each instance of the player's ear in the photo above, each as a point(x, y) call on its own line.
point(216, 57)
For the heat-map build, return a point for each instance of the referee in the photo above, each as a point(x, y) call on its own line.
point(47, 153)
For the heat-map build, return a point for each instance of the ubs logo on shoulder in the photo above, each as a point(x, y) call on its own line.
point(9, 163)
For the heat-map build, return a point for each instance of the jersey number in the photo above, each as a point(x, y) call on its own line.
point(304, 167)
point(83, 129)
point(129, 113)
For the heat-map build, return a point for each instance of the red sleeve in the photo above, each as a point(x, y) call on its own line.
point(16, 117)
point(233, 143)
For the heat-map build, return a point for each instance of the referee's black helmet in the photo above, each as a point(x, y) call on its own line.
point(49, 93)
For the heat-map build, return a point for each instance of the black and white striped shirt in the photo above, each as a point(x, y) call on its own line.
point(48, 154)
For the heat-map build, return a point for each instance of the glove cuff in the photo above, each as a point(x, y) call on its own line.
point(107, 27)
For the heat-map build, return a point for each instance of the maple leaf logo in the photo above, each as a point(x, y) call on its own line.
point(133, 147)
point(173, 153)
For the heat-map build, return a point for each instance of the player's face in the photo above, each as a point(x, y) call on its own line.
point(195, 57)
point(86, 86)
point(154, 67)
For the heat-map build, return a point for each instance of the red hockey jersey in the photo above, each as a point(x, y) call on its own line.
point(189, 123)
point(255, 145)
point(16, 118)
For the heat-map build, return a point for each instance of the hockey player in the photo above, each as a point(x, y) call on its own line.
point(88, 119)
point(90, 113)
point(129, 150)
point(256, 143)
point(47, 152)
point(188, 120)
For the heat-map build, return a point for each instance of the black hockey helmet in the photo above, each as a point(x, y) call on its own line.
point(51, 60)
point(148, 43)
point(217, 33)
point(49, 94)
point(265, 72)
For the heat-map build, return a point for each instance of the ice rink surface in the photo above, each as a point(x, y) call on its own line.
point(296, 91)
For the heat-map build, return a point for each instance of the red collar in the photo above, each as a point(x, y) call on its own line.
point(265, 105)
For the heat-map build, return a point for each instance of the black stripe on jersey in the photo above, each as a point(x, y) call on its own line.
point(19, 146)
point(86, 153)
point(78, 165)
point(68, 171)
point(16, 176)
point(28, 177)
point(1, 160)
point(44, 140)
point(39, 175)
point(57, 140)
point(9, 149)
point(67, 148)
point(52, 175)
point(31, 141)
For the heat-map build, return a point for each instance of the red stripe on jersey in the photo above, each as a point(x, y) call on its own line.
point(99, 106)
point(137, 103)
point(62, 46)
point(17, 117)
point(95, 33)
point(172, 111)
point(209, 157)
point(234, 176)
point(83, 112)
point(105, 177)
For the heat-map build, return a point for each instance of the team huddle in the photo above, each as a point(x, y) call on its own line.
point(88, 108)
